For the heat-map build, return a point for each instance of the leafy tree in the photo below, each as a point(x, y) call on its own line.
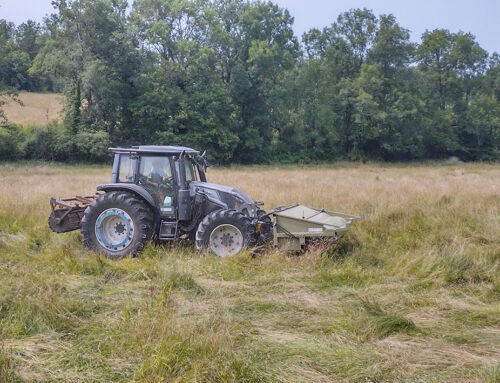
point(435, 59)
point(95, 53)
point(230, 76)
point(357, 28)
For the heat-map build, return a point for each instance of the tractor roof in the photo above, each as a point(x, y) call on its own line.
point(155, 149)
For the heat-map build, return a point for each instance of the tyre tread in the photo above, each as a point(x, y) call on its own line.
point(210, 222)
point(120, 199)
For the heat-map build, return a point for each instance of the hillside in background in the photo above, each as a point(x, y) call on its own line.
point(35, 108)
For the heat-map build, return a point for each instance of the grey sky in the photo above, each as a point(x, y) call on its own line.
point(480, 17)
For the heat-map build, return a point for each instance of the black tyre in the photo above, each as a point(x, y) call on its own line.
point(117, 224)
point(225, 232)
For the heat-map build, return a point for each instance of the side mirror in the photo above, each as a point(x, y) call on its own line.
point(202, 165)
point(202, 161)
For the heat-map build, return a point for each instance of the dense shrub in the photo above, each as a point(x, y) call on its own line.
point(11, 138)
point(92, 146)
point(52, 143)
point(40, 144)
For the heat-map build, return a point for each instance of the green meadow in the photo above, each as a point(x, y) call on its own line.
point(411, 294)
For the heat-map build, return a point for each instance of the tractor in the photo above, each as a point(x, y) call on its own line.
point(161, 193)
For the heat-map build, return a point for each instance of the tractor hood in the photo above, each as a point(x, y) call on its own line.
point(232, 198)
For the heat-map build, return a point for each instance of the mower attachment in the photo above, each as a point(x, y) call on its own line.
point(67, 213)
point(297, 225)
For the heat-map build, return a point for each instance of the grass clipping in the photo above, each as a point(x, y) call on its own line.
point(383, 324)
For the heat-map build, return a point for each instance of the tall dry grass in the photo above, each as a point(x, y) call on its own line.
point(410, 295)
point(35, 108)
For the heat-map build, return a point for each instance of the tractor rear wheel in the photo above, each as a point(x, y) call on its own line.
point(117, 224)
point(225, 232)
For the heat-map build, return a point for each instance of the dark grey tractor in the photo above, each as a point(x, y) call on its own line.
point(161, 193)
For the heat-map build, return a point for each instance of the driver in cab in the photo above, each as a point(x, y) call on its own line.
point(158, 180)
point(157, 174)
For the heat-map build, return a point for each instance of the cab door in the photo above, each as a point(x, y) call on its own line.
point(156, 176)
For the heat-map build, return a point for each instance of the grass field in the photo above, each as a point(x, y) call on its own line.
point(36, 108)
point(412, 294)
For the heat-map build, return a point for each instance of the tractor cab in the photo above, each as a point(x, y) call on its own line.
point(160, 172)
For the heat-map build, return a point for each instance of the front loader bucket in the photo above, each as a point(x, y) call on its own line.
point(67, 213)
point(297, 225)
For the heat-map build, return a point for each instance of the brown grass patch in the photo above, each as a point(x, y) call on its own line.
point(36, 108)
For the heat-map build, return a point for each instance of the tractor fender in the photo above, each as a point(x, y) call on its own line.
point(133, 188)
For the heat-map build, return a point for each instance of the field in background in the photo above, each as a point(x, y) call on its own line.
point(36, 108)
point(411, 295)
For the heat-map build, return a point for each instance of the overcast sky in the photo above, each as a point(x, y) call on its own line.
point(480, 17)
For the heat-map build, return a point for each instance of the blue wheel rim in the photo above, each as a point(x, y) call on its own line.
point(114, 229)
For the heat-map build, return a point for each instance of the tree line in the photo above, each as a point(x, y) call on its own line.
point(229, 76)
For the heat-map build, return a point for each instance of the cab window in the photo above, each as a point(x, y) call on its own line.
point(126, 168)
point(190, 173)
point(155, 168)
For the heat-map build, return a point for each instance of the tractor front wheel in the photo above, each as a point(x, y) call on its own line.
point(225, 232)
point(117, 224)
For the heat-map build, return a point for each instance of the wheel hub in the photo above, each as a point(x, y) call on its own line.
point(114, 229)
point(226, 240)
point(119, 228)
